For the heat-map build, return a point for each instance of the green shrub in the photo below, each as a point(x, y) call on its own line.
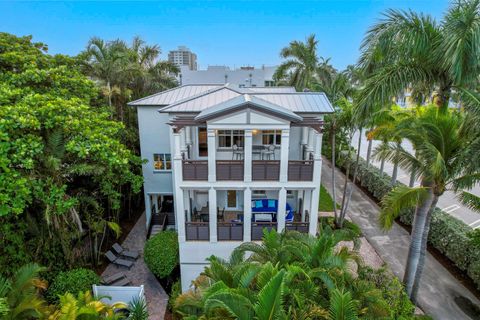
point(73, 281)
point(161, 253)
point(449, 235)
point(392, 290)
point(175, 292)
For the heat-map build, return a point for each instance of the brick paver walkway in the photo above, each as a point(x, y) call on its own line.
point(139, 274)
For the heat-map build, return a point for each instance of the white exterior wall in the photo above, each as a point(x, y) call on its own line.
point(216, 75)
point(154, 138)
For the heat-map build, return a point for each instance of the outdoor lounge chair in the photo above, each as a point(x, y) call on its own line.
point(125, 253)
point(118, 261)
point(114, 277)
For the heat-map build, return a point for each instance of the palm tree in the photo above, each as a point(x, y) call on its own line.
point(406, 49)
point(444, 147)
point(302, 64)
point(105, 61)
point(20, 295)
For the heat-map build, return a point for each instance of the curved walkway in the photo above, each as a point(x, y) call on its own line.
point(441, 295)
point(139, 274)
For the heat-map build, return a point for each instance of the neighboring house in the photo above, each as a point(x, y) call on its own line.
point(241, 77)
point(234, 161)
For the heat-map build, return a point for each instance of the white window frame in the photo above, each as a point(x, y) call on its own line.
point(163, 159)
point(229, 133)
point(275, 133)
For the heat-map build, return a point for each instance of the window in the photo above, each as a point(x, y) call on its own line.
point(162, 161)
point(259, 193)
point(227, 138)
point(271, 137)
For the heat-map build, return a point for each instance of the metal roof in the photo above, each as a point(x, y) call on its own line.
point(303, 102)
point(203, 101)
point(174, 95)
point(247, 100)
point(268, 90)
point(196, 98)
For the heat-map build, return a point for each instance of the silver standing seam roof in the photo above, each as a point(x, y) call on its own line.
point(197, 98)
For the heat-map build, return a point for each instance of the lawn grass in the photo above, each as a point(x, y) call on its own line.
point(325, 204)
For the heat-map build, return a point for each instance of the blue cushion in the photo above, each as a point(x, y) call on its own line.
point(258, 204)
point(272, 204)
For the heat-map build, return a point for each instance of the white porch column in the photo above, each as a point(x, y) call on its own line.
point(212, 214)
point(304, 139)
point(155, 202)
point(148, 209)
point(183, 144)
point(212, 150)
point(247, 155)
point(317, 175)
point(247, 215)
point(284, 155)
point(282, 203)
point(310, 144)
point(178, 176)
point(307, 199)
point(188, 135)
point(186, 205)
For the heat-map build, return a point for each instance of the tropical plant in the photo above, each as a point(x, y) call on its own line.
point(85, 306)
point(72, 281)
point(20, 296)
point(443, 146)
point(411, 50)
point(137, 309)
point(287, 276)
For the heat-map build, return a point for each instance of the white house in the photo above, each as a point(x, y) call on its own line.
point(233, 161)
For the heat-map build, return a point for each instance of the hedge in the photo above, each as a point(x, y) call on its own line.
point(73, 281)
point(161, 253)
point(447, 234)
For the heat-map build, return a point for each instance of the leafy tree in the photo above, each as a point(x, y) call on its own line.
point(56, 146)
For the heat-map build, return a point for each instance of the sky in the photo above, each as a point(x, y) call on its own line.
point(232, 33)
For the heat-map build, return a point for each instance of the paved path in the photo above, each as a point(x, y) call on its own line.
point(139, 274)
point(440, 291)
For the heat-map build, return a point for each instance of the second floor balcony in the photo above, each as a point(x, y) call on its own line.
point(246, 157)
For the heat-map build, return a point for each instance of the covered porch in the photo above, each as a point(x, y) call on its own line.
point(242, 214)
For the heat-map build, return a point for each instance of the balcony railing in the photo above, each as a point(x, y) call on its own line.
point(230, 170)
point(195, 169)
point(297, 226)
point(265, 170)
point(257, 229)
point(300, 170)
point(197, 231)
point(230, 231)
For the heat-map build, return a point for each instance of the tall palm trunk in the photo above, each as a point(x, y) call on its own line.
point(382, 166)
point(423, 250)
point(412, 178)
point(395, 167)
point(333, 175)
point(350, 185)
point(414, 251)
point(369, 151)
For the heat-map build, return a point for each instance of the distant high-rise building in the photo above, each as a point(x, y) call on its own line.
point(183, 57)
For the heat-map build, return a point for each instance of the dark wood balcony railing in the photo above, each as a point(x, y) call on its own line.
point(195, 169)
point(197, 231)
point(265, 170)
point(297, 226)
point(257, 229)
point(230, 231)
point(300, 170)
point(230, 170)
